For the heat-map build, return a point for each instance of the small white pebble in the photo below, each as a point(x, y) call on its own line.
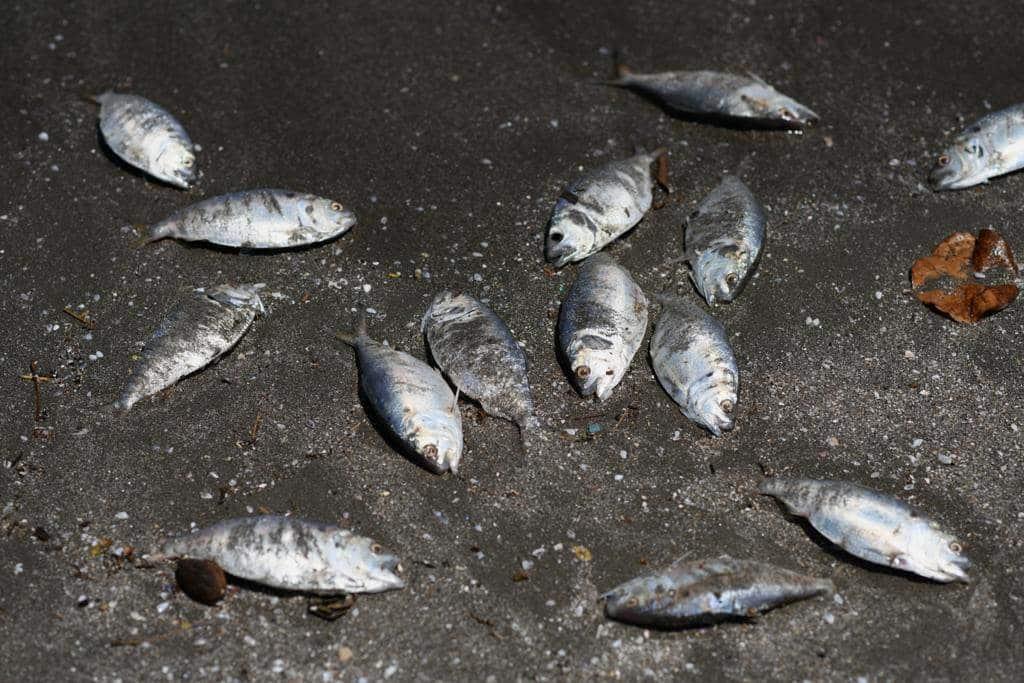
point(878, 294)
point(121, 515)
point(367, 288)
point(44, 136)
point(916, 443)
point(19, 568)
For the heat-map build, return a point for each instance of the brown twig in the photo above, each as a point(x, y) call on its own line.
point(36, 380)
point(88, 323)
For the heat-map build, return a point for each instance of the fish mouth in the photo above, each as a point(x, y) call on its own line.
point(942, 178)
point(558, 255)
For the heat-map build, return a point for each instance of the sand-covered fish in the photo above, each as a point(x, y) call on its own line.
point(724, 239)
point(989, 147)
point(601, 325)
point(731, 98)
point(148, 137)
point(598, 207)
point(709, 591)
point(478, 353)
point(873, 526)
point(694, 363)
point(198, 331)
point(291, 554)
point(413, 400)
point(257, 219)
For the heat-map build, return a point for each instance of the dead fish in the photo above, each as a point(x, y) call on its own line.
point(743, 100)
point(257, 219)
point(724, 238)
point(873, 526)
point(709, 591)
point(146, 136)
point(989, 147)
point(291, 554)
point(478, 353)
point(692, 358)
point(413, 400)
point(598, 207)
point(198, 331)
point(601, 325)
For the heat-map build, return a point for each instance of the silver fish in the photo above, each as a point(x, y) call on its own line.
point(709, 591)
point(197, 332)
point(598, 207)
point(744, 100)
point(724, 238)
point(601, 325)
point(146, 136)
point(989, 147)
point(414, 401)
point(477, 351)
point(692, 359)
point(873, 526)
point(258, 219)
point(291, 554)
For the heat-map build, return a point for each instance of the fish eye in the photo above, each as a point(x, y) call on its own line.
point(944, 160)
point(632, 602)
point(376, 549)
point(955, 547)
point(430, 451)
point(335, 206)
point(187, 162)
point(583, 371)
point(609, 371)
point(556, 237)
point(731, 279)
point(726, 406)
point(785, 113)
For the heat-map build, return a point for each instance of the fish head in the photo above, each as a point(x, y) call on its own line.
point(713, 407)
point(177, 165)
point(721, 271)
point(376, 568)
point(961, 165)
point(437, 439)
point(639, 601)
point(934, 554)
point(762, 101)
point(240, 296)
point(572, 235)
point(597, 369)
point(328, 218)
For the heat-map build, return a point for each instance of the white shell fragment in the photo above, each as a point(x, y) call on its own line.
point(873, 526)
point(145, 135)
point(258, 219)
point(292, 554)
point(201, 329)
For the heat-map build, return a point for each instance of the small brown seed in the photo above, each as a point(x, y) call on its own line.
point(201, 580)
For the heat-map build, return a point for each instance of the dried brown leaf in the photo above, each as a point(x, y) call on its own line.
point(992, 251)
point(951, 257)
point(970, 302)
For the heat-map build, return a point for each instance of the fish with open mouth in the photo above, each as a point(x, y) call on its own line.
point(873, 526)
point(148, 137)
point(600, 206)
point(601, 325)
point(198, 331)
point(991, 146)
point(724, 239)
point(735, 99)
point(292, 554)
point(694, 363)
point(478, 353)
point(257, 219)
point(709, 591)
point(413, 399)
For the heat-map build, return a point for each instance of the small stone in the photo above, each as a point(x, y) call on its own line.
point(345, 654)
point(44, 136)
point(202, 580)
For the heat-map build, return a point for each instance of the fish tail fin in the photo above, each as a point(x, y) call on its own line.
point(530, 434)
point(97, 100)
point(824, 587)
point(352, 337)
point(621, 72)
point(152, 233)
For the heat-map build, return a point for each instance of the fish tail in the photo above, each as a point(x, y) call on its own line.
point(352, 338)
point(825, 587)
point(92, 99)
point(621, 73)
point(153, 233)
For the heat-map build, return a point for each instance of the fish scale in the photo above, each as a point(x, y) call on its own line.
point(291, 554)
point(708, 591)
point(601, 325)
point(873, 526)
point(195, 333)
point(413, 399)
point(148, 137)
point(724, 238)
point(258, 219)
point(694, 363)
point(598, 207)
point(477, 351)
